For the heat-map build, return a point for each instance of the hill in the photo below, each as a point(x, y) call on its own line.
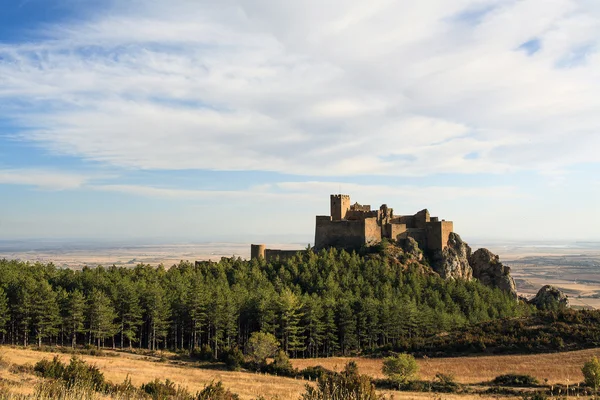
point(316, 304)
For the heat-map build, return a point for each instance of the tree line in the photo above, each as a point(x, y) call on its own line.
point(315, 304)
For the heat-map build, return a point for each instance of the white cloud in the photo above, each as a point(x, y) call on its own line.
point(47, 180)
point(305, 88)
point(316, 191)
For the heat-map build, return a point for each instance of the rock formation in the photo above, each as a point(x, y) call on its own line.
point(411, 249)
point(550, 298)
point(488, 269)
point(453, 261)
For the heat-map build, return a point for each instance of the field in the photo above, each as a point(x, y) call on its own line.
point(557, 368)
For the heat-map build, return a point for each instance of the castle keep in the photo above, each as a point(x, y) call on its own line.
point(352, 226)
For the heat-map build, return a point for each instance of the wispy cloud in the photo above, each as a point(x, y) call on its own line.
point(41, 179)
point(346, 89)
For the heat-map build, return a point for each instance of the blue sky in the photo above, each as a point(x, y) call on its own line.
point(235, 120)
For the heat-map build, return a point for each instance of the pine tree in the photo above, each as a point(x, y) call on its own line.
point(74, 315)
point(289, 310)
point(45, 311)
point(197, 303)
point(312, 321)
point(157, 310)
point(129, 311)
point(4, 313)
point(101, 317)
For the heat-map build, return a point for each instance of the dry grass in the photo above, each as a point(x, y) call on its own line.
point(140, 370)
point(557, 368)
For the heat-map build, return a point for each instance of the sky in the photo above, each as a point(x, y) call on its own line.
point(235, 120)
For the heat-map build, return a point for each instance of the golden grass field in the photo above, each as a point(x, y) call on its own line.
point(557, 368)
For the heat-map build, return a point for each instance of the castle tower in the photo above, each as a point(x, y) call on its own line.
point(257, 251)
point(340, 204)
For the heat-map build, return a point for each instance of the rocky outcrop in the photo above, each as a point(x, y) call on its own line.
point(488, 269)
point(411, 249)
point(453, 261)
point(550, 298)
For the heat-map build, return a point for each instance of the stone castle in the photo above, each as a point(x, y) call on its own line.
point(352, 226)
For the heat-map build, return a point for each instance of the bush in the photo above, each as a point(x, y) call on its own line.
point(515, 380)
point(233, 359)
point(348, 385)
point(216, 391)
point(50, 369)
point(536, 396)
point(281, 365)
point(203, 353)
point(400, 368)
point(315, 372)
point(159, 391)
point(262, 346)
point(21, 369)
point(77, 373)
point(446, 383)
point(591, 373)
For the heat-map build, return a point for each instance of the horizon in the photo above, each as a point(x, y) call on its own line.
point(197, 121)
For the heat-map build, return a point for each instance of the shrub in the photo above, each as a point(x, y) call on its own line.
point(77, 373)
point(348, 385)
point(591, 373)
point(314, 372)
point(21, 369)
point(281, 365)
point(261, 346)
point(216, 391)
point(50, 369)
point(400, 368)
point(445, 383)
point(515, 380)
point(167, 390)
point(233, 359)
point(536, 396)
point(203, 353)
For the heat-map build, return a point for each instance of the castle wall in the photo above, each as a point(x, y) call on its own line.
point(343, 234)
point(447, 229)
point(408, 220)
point(421, 219)
point(438, 233)
point(396, 230)
point(273, 254)
point(372, 231)
point(354, 215)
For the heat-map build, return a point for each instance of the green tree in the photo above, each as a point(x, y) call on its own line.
point(289, 310)
point(101, 316)
point(45, 313)
point(262, 346)
point(157, 312)
point(4, 313)
point(400, 368)
point(591, 373)
point(129, 311)
point(74, 315)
